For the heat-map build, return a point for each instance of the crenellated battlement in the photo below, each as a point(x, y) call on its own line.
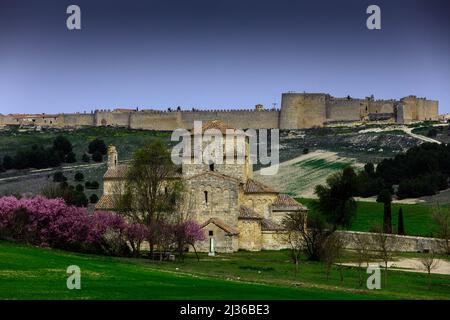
point(298, 111)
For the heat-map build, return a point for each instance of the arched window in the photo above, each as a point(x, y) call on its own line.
point(211, 167)
point(206, 196)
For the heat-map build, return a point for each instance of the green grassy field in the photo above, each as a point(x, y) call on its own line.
point(417, 217)
point(35, 273)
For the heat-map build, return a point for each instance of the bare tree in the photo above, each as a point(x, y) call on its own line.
point(363, 253)
point(149, 192)
point(441, 217)
point(305, 236)
point(295, 235)
point(429, 262)
point(332, 252)
point(385, 245)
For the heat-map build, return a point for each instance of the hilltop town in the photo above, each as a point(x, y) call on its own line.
point(298, 111)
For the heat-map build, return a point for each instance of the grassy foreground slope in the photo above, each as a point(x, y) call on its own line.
point(35, 273)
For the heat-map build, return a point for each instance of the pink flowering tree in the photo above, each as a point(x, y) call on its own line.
point(52, 223)
point(106, 233)
point(187, 233)
point(136, 234)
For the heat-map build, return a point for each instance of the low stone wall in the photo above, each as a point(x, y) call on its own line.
point(394, 242)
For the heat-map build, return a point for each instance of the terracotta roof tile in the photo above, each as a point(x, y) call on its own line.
point(248, 213)
point(283, 201)
point(116, 172)
point(222, 225)
point(253, 186)
point(106, 202)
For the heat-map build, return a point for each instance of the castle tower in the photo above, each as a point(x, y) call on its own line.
point(302, 110)
point(113, 159)
point(240, 170)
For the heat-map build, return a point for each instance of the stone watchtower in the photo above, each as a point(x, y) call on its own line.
point(302, 110)
point(112, 157)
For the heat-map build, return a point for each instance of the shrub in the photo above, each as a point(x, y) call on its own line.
point(67, 193)
point(64, 185)
point(79, 188)
point(59, 177)
point(432, 133)
point(87, 184)
point(97, 145)
point(62, 145)
point(79, 176)
point(305, 151)
point(97, 156)
point(85, 158)
point(70, 157)
point(94, 185)
point(93, 198)
point(8, 162)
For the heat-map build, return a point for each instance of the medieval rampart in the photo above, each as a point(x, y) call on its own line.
point(298, 111)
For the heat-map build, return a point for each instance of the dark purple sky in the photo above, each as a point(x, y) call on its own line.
point(217, 53)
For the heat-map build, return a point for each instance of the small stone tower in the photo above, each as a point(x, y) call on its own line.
point(112, 157)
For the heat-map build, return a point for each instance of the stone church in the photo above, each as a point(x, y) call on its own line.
point(235, 210)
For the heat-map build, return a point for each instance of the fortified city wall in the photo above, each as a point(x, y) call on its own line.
point(298, 111)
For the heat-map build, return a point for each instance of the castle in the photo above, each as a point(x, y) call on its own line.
point(236, 211)
point(298, 111)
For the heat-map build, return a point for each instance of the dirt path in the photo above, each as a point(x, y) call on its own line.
point(405, 129)
point(40, 172)
point(411, 265)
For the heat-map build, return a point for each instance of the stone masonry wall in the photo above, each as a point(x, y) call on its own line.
point(395, 242)
point(298, 111)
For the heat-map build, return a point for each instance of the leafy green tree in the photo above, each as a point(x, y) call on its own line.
point(79, 176)
point(385, 197)
point(97, 156)
point(71, 158)
point(400, 223)
point(62, 145)
point(93, 198)
point(97, 145)
point(369, 168)
point(8, 162)
point(59, 177)
point(335, 199)
point(149, 197)
point(85, 158)
point(432, 133)
point(70, 196)
point(94, 185)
